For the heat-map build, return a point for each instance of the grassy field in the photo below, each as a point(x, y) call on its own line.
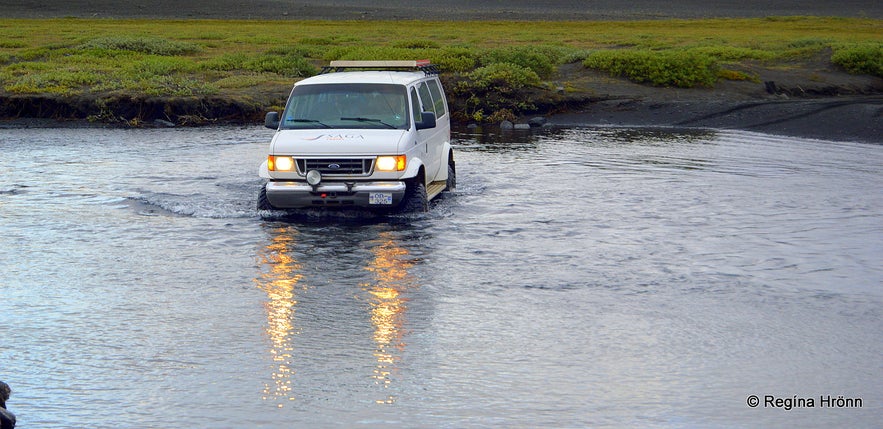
point(256, 61)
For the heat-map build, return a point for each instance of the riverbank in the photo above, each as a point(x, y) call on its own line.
point(805, 102)
point(771, 74)
point(811, 100)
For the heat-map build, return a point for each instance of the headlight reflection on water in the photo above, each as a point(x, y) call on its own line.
point(388, 306)
point(385, 288)
point(280, 283)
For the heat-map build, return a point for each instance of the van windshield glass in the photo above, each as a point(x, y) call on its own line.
point(350, 105)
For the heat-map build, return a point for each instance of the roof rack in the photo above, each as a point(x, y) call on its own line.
point(341, 65)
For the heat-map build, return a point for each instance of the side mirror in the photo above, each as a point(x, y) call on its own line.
point(272, 120)
point(427, 121)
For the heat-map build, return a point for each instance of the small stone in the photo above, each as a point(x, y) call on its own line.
point(537, 121)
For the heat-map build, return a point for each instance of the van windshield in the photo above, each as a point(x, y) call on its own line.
point(347, 105)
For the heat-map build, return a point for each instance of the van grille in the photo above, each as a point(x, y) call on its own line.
point(336, 166)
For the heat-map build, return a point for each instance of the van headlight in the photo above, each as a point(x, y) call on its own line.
point(280, 163)
point(391, 163)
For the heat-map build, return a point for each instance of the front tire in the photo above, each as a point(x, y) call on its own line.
point(452, 178)
point(415, 200)
point(263, 202)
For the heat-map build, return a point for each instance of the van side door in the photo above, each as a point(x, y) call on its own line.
point(443, 124)
point(424, 136)
point(436, 137)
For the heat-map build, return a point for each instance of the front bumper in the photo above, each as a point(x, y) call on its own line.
point(291, 194)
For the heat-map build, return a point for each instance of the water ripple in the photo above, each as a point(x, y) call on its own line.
point(576, 278)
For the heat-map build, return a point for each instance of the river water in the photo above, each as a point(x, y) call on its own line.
point(585, 277)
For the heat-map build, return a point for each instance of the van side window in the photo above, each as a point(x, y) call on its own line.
point(426, 99)
point(416, 111)
point(437, 98)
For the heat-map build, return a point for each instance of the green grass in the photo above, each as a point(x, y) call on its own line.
point(860, 58)
point(75, 57)
point(139, 44)
point(677, 68)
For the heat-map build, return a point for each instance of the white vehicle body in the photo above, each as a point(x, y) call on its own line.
point(371, 138)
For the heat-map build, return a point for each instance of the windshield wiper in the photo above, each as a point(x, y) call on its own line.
point(311, 121)
point(378, 121)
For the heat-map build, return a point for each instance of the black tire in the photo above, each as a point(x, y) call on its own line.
point(415, 200)
point(263, 202)
point(452, 178)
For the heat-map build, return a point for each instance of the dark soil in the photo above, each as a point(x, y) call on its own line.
point(811, 99)
point(554, 10)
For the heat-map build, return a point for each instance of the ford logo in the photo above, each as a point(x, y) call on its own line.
point(333, 166)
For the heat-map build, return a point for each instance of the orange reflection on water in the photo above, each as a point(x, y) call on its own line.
point(391, 279)
point(281, 279)
point(280, 283)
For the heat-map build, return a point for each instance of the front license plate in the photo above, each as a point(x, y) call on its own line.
point(380, 198)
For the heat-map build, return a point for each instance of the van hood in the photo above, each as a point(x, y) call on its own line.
point(351, 142)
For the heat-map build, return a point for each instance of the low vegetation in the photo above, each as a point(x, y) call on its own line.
point(864, 58)
point(491, 68)
point(678, 68)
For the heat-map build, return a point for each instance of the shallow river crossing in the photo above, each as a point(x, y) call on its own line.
point(586, 277)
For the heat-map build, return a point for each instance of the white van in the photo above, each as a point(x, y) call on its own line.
point(370, 134)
